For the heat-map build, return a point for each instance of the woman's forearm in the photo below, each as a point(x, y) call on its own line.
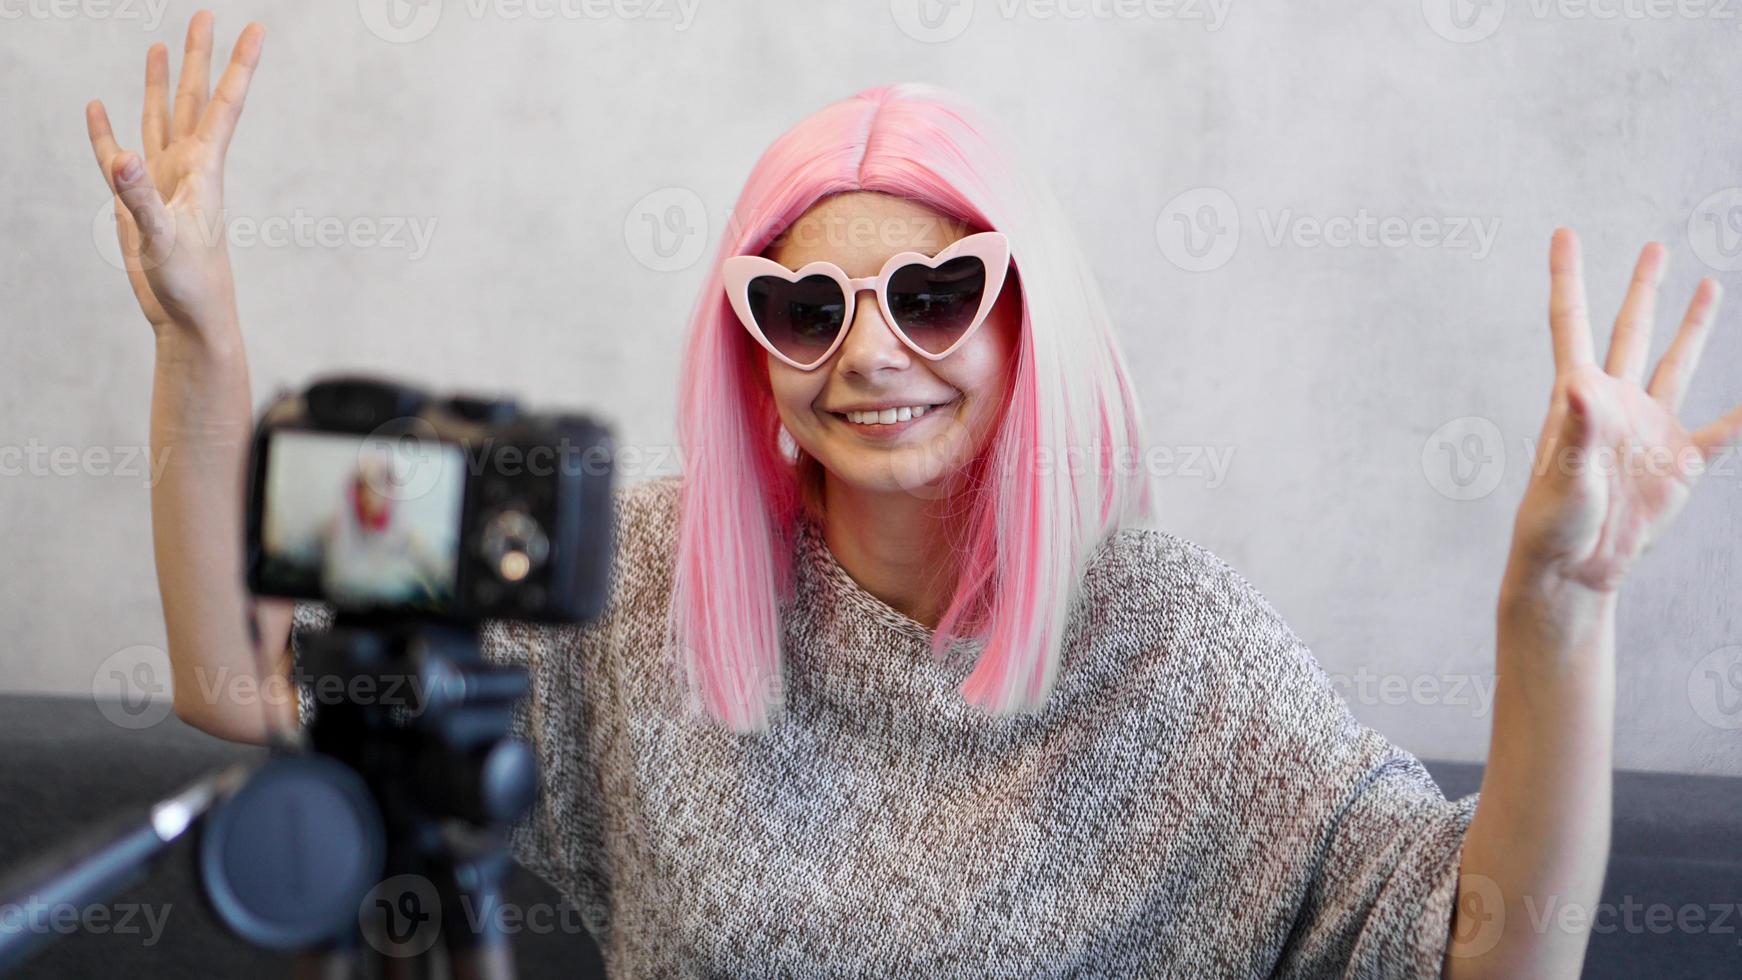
point(201, 423)
point(1536, 851)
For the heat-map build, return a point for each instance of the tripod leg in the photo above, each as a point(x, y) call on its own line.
point(494, 961)
point(333, 964)
point(477, 944)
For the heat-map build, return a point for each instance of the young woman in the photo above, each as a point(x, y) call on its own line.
point(891, 680)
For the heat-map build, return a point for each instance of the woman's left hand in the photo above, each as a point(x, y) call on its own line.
point(1613, 464)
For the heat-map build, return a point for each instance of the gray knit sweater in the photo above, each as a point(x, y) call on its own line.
point(1194, 801)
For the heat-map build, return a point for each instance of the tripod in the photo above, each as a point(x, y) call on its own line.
point(424, 721)
point(386, 835)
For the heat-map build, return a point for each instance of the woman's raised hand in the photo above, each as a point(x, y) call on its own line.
point(1614, 465)
point(169, 203)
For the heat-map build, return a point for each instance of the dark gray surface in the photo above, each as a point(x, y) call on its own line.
point(62, 764)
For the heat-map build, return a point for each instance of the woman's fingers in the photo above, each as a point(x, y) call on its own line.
point(1670, 381)
point(219, 121)
point(139, 195)
point(1566, 305)
point(196, 75)
point(1724, 433)
point(1631, 342)
point(154, 121)
point(102, 140)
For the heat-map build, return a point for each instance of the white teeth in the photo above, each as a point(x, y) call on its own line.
point(888, 416)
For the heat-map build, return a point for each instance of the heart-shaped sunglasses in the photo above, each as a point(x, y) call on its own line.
point(933, 303)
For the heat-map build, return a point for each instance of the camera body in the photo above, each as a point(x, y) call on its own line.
point(381, 498)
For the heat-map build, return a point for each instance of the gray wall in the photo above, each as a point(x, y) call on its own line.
point(535, 153)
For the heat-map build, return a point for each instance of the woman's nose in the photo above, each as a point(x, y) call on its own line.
point(871, 343)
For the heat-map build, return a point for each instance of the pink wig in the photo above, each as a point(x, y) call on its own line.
point(1062, 466)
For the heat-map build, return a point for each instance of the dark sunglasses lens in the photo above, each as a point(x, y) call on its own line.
point(801, 319)
point(935, 306)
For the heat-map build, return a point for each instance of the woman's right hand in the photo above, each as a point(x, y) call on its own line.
point(169, 206)
point(169, 217)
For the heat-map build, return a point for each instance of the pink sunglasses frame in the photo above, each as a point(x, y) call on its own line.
point(992, 248)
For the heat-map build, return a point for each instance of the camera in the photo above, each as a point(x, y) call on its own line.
point(383, 498)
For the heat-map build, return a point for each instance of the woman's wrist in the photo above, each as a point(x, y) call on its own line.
point(1530, 587)
point(1553, 620)
point(213, 340)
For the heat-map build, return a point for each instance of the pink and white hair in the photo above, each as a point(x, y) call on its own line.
point(1062, 467)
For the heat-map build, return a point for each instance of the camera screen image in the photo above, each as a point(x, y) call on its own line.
point(362, 522)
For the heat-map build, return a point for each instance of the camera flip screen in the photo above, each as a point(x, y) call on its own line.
point(366, 522)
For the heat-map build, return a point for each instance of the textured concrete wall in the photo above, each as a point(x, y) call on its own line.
point(1321, 227)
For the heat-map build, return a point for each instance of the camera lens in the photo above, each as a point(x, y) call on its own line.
point(514, 545)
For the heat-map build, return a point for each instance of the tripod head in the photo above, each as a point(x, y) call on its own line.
point(409, 787)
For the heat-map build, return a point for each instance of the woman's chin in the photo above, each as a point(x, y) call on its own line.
point(909, 470)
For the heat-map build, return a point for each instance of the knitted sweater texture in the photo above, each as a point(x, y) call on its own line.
point(1195, 800)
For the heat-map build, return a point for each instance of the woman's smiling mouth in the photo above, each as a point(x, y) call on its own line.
point(888, 422)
